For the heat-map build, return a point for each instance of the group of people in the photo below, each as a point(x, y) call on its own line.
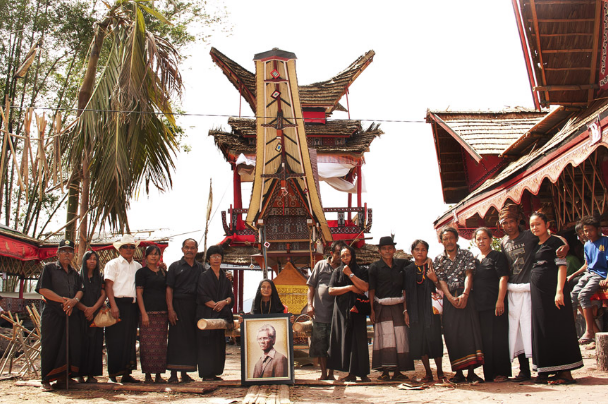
point(165, 303)
point(492, 308)
point(498, 306)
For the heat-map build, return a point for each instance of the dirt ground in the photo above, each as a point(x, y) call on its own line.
point(590, 387)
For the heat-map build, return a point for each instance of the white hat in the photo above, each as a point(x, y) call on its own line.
point(125, 240)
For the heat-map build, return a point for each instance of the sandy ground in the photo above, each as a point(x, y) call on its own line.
point(590, 387)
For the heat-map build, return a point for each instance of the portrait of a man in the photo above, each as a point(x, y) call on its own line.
point(272, 363)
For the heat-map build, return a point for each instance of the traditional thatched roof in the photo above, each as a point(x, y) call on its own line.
point(325, 94)
point(234, 143)
point(561, 42)
point(529, 162)
point(487, 132)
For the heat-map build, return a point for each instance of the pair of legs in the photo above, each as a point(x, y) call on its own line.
point(524, 369)
point(586, 287)
point(159, 378)
point(90, 379)
point(351, 377)
point(471, 376)
point(397, 375)
point(326, 374)
point(427, 368)
point(174, 379)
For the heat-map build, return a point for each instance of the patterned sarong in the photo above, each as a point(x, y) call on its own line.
point(153, 339)
point(391, 346)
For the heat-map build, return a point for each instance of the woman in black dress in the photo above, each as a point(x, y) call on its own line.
point(554, 343)
point(214, 300)
point(151, 288)
point(490, 288)
point(424, 331)
point(348, 349)
point(94, 295)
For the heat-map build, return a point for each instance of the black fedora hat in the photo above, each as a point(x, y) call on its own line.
point(388, 240)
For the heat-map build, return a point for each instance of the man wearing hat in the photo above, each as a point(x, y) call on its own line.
point(60, 285)
point(389, 313)
point(518, 245)
point(119, 276)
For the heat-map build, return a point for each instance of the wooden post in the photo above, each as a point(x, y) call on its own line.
point(601, 349)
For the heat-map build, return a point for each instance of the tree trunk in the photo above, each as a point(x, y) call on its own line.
point(601, 350)
point(84, 95)
point(84, 205)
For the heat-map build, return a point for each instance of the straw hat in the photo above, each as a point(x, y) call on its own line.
point(125, 240)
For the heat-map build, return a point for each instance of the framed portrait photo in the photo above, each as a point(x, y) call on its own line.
point(266, 349)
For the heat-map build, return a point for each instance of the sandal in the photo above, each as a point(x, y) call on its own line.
point(348, 378)
point(399, 376)
point(457, 379)
point(473, 378)
point(427, 379)
point(520, 378)
point(585, 341)
point(561, 380)
point(46, 386)
point(365, 379)
point(500, 379)
point(384, 377)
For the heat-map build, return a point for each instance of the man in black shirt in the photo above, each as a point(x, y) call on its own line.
point(61, 288)
point(389, 313)
point(182, 279)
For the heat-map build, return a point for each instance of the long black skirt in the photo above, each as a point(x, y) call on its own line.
point(495, 338)
point(181, 350)
point(425, 338)
point(91, 363)
point(211, 352)
point(53, 343)
point(554, 342)
point(462, 334)
point(121, 339)
point(348, 350)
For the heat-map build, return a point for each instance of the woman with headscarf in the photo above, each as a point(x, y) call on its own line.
point(490, 286)
point(92, 299)
point(424, 332)
point(348, 350)
point(151, 288)
point(554, 342)
point(214, 300)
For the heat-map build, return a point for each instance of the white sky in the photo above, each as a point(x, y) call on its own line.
point(429, 54)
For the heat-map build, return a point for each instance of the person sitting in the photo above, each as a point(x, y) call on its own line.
point(596, 266)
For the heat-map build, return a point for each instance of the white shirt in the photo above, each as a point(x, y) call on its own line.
point(122, 273)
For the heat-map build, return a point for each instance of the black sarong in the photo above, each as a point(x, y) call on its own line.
point(462, 334)
point(92, 350)
point(495, 336)
point(121, 339)
point(53, 342)
point(181, 350)
point(212, 343)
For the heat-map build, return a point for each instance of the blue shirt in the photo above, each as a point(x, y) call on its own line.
point(595, 255)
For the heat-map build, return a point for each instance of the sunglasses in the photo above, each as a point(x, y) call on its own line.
point(128, 247)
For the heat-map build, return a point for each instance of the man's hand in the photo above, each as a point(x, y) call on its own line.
point(229, 275)
point(431, 274)
point(173, 317)
point(500, 308)
point(347, 271)
point(310, 311)
point(562, 251)
point(115, 312)
point(559, 299)
point(406, 317)
point(604, 283)
point(220, 305)
point(463, 301)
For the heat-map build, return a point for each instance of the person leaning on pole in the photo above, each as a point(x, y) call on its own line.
point(60, 285)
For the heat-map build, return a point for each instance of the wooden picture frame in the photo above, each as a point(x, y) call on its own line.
point(256, 335)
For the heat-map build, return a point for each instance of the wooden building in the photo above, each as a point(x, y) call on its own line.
point(22, 258)
point(554, 158)
point(290, 147)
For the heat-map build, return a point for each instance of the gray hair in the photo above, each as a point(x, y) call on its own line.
point(272, 333)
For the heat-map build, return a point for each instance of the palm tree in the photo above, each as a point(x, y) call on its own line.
point(125, 131)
